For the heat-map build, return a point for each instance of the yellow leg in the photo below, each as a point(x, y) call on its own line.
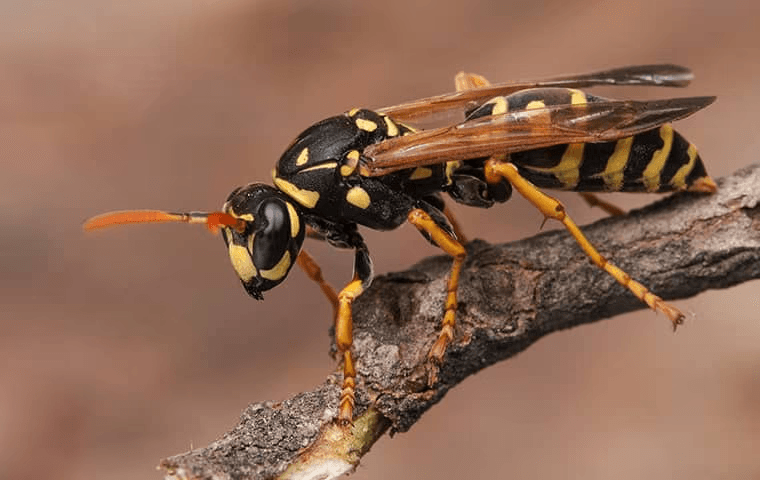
point(594, 201)
point(425, 223)
point(344, 340)
point(552, 208)
point(312, 270)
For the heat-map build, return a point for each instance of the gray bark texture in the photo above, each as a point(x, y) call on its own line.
point(510, 295)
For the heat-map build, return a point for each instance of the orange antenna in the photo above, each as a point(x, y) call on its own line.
point(212, 220)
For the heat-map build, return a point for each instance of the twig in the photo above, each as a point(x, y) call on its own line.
point(510, 296)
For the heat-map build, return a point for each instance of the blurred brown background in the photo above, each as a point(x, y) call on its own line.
point(122, 347)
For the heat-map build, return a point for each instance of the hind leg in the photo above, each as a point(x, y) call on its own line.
point(594, 201)
point(496, 169)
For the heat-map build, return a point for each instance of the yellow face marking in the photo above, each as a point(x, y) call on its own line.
point(499, 105)
point(358, 197)
point(303, 157)
point(420, 173)
point(248, 217)
point(651, 175)
point(535, 104)
point(353, 112)
point(278, 271)
point(307, 198)
point(241, 262)
point(295, 223)
point(577, 97)
point(679, 178)
point(321, 166)
point(391, 127)
point(613, 172)
point(366, 125)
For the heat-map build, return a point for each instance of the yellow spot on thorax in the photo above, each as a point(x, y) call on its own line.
point(321, 166)
point(353, 112)
point(358, 197)
point(451, 167)
point(679, 178)
point(279, 270)
point(295, 222)
point(366, 125)
point(391, 127)
point(307, 198)
point(651, 175)
point(535, 105)
point(421, 173)
point(613, 172)
point(352, 158)
point(303, 157)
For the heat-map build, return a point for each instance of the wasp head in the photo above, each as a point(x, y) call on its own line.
point(264, 245)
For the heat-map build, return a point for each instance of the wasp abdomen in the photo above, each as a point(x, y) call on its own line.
point(659, 160)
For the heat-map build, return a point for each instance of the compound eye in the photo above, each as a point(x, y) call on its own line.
point(272, 240)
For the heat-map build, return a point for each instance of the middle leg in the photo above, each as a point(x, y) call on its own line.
point(344, 328)
point(438, 235)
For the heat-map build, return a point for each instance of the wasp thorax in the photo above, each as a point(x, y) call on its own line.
point(263, 252)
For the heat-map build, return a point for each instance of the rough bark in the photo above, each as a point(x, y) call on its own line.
point(510, 295)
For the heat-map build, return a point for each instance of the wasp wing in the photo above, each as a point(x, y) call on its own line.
point(522, 130)
point(447, 105)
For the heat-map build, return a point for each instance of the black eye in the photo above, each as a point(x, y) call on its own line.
point(272, 234)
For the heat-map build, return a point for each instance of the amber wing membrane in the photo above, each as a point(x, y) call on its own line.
point(522, 130)
point(450, 105)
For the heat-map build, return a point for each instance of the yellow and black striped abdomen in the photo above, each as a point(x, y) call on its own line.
point(659, 160)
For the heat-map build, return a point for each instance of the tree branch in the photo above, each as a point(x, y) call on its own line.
point(509, 296)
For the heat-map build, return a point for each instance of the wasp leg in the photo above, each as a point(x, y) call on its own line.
point(496, 169)
point(594, 201)
point(455, 225)
point(312, 270)
point(344, 330)
point(425, 223)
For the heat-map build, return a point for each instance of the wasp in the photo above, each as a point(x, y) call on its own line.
point(374, 169)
